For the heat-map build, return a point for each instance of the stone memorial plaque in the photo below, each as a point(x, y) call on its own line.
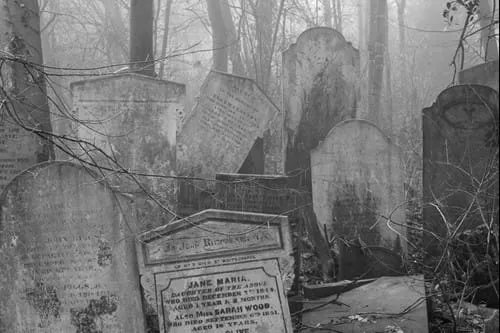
point(132, 118)
point(67, 259)
point(218, 271)
point(230, 115)
point(460, 151)
point(320, 80)
point(358, 183)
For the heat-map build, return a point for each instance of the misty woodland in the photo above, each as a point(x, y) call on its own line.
point(249, 166)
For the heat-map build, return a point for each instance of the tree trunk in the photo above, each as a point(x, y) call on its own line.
point(327, 13)
point(232, 39)
point(220, 49)
point(141, 37)
point(264, 35)
point(114, 27)
point(377, 39)
point(164, 43)
point(339, 14)
point(488, 40)
point(24, 86)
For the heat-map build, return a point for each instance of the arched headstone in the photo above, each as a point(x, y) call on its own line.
point(67, 259)
point(460, 150)
point(320, 77)
point(358, 184)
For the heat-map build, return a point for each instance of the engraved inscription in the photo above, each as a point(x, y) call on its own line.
point(17, 151)
point(210, 238)
point(240, 300)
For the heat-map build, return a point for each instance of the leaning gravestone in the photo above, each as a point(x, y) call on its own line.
point(358, 182)
point(132, 118)
point(460, 150)
point(67, 261)
point(218, 271)
point(230, 115)
point(319, 88)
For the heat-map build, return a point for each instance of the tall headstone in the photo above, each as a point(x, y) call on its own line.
point(460, 151)
point(320, 77)
point(132, 118)
point(230, 115)
point(67, 259)
point(358, 185)
point(218, 271)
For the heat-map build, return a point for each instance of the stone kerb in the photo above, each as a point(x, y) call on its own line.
point(216, 269)
point(67, 261)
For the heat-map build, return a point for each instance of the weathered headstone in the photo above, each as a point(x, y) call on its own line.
point(230, 115)
point(319, 88)
point(484, 74)
point(18, 150)
point(218, 271)
point(67, 258)
point(358, 184)
point(460, 151)
point(132, 118)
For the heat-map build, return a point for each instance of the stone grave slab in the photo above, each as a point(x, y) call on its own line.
point(320, 79)
point(67, 259)
point(373, 308)
point(218, 271)
point(230, 115)
point(132, 118)
point(460, 152)
point(358, 183)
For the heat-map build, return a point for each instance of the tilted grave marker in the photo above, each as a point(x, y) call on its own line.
point(67, 259)
point(358, 185)
point(320, 78)
point(230, 115)
point(218, 271)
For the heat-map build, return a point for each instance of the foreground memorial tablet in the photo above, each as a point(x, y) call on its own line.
point(218, 271)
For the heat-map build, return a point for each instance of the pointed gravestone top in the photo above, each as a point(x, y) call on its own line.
point(218, 271)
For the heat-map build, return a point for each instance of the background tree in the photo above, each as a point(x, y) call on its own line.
point(23, 98)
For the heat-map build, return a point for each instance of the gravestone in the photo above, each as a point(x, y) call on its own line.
point(483, 74)
point(67, 258)
point(132, 118)
point(358, 183)
point(18, 150)
point(230, 115)
point(320, 75)
point(218, 271)
point(460, 151)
